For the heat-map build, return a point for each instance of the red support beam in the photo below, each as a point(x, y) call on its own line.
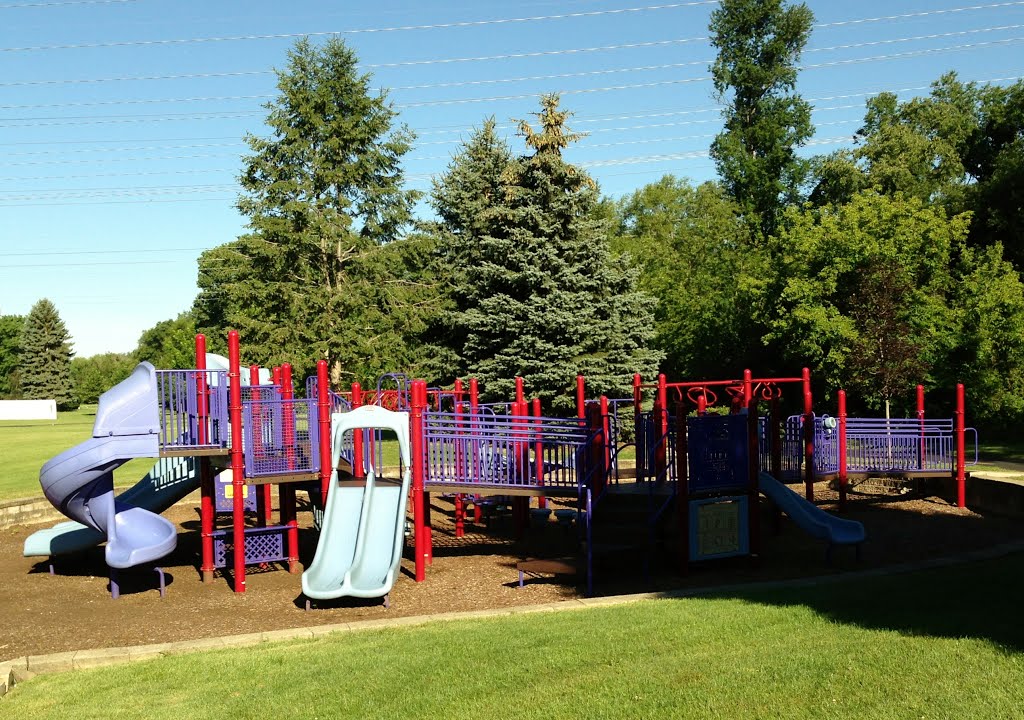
point(323, 415)
point(961, 491)
point(206, 489)
point(237, 461)
point(357, 435)
point(843, 479)
point(808, 436)
point(417, 407)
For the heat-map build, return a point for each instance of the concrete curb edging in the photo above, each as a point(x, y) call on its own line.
point(21, 669)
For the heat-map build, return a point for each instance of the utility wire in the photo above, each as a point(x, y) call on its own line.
point(359, 31)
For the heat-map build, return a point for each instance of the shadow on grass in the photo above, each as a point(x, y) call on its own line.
point(969, 600)
point(927, 570)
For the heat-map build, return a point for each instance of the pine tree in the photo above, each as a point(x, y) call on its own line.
point(321, 194)
point(462, 197)
point(542, 296)
point(46, 357)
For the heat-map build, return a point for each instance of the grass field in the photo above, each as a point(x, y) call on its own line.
point(932, 644)
point(26, 444)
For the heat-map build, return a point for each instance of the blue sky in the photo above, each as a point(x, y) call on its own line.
point(121, 121)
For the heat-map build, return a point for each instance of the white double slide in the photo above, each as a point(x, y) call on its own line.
point(363, 530)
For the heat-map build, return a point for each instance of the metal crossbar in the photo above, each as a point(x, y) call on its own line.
point(482, 448)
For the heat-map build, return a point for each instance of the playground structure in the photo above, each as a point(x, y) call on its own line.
point(235, 441)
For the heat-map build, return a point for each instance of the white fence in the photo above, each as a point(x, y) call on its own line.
point(28, 409)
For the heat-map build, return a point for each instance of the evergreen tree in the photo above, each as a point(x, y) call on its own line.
point(10, 356)
point(462, 197)
point(543, 298)
point(759, 43)
point(320, 194)
point(46, 357)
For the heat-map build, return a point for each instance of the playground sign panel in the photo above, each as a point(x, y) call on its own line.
point(719, 528)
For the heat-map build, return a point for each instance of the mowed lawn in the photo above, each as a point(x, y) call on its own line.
point(941, 643)
point(26, 444)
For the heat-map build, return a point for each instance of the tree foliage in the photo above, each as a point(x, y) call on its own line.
point(170, 344)
point(759, 43)
point(542, 297)
point(93, 376)
point(892, 252)
point(46, 357)
point(695, 256)
point(322, 193)
point(10, 356)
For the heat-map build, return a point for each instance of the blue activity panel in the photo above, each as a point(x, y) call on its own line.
point(719, 453)
point(719, 528)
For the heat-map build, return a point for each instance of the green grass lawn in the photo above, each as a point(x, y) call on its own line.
point(935, 644)
point(26, 444)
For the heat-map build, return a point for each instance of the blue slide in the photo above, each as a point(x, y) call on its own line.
point(80, 482)
point(363, 529)
point(169, 480)
point(809, 517)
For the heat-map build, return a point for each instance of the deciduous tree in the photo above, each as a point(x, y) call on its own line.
point(759, 43)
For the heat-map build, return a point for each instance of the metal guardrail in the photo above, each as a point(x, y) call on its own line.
point(482, 448)
point(184, 424)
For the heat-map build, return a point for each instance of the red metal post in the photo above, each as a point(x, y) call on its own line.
point(417, 405)
point(843, 480)
point(638, 428)
point(460, 460)
point(474, 408)
point(323, 412)
point(661, 423)
point(237, 461)
point(748, 388)
point(538, 451)
point(581, 396)
point(753, 487)
point(519, 390)
point(808, 437)
point(357, 435)
point(606, 432)
point(206, 490)
point(702, 404)
point(961, 494)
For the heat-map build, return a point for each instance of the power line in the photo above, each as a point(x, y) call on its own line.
point(360, 31)
point(20, 6)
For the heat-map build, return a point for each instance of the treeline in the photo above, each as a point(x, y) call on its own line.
point(895, 262)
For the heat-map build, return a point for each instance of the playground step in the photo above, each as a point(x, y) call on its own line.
point(565, 566)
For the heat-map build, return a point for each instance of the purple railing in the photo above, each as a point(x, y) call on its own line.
point(647, 446)
point(281, 437)
point(178, 398)
point(483, 448)
point(901, 445)
point(873, 445)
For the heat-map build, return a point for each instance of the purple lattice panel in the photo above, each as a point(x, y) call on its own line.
point(193, 406)
point(262, 545)
point(281, 437)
